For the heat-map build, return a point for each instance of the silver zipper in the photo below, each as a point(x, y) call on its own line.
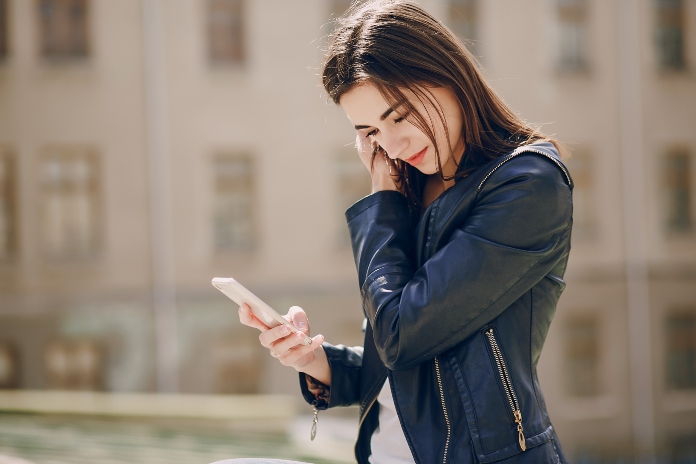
point(364, 412)
point(444, 409)
point(519, 151)
point(507, 386)
point(315, 421)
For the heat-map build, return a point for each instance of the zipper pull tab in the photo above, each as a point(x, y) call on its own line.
point(520, 435)
point(313, 434)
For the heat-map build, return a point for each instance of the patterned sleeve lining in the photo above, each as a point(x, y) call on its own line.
point(320, 391)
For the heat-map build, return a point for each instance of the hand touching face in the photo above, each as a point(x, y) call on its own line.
point(378, 122)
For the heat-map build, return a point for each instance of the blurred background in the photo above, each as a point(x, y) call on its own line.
point(147, 146)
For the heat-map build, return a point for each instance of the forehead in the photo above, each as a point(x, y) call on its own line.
point(363, 104)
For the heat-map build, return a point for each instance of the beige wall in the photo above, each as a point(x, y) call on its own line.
point(97, 102)
point(273, 107)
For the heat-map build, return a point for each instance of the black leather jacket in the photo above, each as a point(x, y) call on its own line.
point(457, 312)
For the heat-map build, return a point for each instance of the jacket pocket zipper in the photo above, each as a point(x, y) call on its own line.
point(364, 411)
point(507, 386)
point(444, 409)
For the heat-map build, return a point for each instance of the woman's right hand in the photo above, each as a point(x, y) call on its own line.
point(287, 347)
point(375, 160)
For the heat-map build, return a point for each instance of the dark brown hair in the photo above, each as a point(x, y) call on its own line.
point(397, 46)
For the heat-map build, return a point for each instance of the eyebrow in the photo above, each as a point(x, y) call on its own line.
point(384, 115)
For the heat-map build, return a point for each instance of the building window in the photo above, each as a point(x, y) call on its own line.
point(3, 28)
point(226, 31)
point(63, 28)
point(353, 183)
point(572, 29)
point(680, 338)
point(462, 19)
point(677, 191)
point(581, 167)
point(69, 203)
point(8, 218)
point(74, 365)
point(582, 357)
point(9, 366)
point(234, 203)
point(669, 34)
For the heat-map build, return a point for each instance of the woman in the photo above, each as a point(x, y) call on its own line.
point(460, 250)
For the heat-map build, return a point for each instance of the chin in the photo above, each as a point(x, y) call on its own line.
point(427, 170)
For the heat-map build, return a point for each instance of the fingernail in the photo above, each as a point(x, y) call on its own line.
point(301, 324)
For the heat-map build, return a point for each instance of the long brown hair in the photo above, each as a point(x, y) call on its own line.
point(398, 46)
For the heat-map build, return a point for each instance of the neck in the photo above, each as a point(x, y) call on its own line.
point(434, 187)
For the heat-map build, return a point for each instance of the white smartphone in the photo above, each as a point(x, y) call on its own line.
point(240, 295)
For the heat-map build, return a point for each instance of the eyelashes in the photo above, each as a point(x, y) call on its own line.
point(373, 132)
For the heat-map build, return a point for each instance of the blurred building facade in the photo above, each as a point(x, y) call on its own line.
point(148, 146)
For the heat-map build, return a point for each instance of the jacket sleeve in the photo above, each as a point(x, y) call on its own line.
point(345, 363)
point(497, 254)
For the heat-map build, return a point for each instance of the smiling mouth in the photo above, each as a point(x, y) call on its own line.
point(416, 159)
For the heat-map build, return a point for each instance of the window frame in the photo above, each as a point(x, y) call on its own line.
point(675, 319)
point(69, 153)
point(576, 13)
point(4, 29)
point(669, 191)
point(9, 194)
point(216, 55)
point(68, 53)
point(670, 15)
point(251, 243)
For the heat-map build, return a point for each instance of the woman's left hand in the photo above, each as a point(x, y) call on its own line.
point(287, 347)
point(379, 168)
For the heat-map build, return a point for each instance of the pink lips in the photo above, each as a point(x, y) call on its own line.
point(416, 159)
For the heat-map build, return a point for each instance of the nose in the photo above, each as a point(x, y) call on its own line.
point(394, 144)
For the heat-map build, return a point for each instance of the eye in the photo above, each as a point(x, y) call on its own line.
point(400, 118)
point(372, 133)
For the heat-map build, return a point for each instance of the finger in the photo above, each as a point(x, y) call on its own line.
point(247, 318)
point(362, 140)
point(365, 147)
point(272, 336)
point(282, 345)
point(299, 356)
point(298, 317)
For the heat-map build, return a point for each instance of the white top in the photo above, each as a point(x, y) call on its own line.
point(388, 442)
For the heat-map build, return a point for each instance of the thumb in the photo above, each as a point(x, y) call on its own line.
point(299, 319)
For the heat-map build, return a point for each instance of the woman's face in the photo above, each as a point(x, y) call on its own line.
point(388, 126)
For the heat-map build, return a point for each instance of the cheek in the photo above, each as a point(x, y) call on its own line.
point(454, 133)
point(408, 131)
